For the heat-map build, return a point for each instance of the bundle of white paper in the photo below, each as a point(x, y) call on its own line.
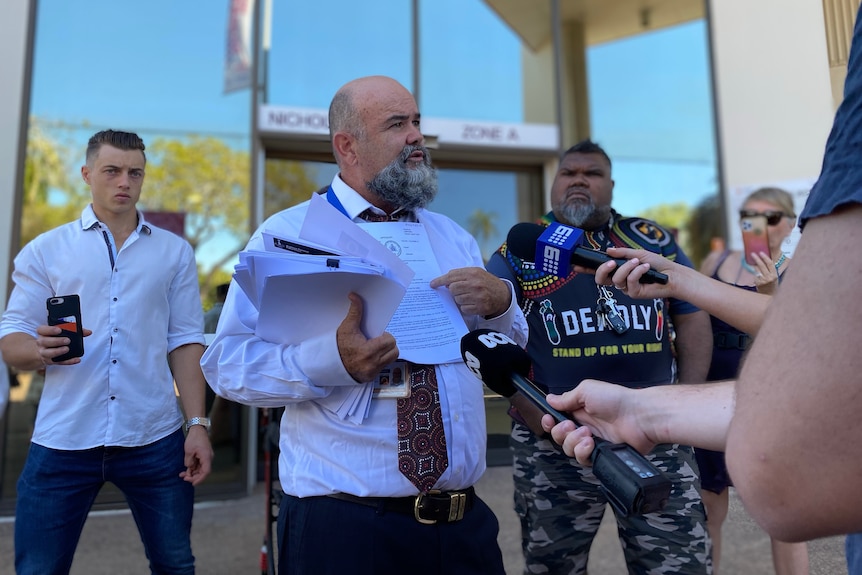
point(293, 283)
point(303, 296)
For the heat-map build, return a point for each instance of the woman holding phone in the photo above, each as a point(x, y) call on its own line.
point(766, 219)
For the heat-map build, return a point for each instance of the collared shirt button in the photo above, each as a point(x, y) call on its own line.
point(113, 397)
point(115, 299)
point(113, 361)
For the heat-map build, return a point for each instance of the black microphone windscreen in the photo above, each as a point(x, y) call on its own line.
point(522, 239)
point(493, 358)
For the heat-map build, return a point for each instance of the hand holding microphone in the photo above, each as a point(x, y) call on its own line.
point(630, 482)
point(556, 248)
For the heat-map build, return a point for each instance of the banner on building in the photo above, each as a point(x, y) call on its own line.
point(172, 221)
point(238, 63)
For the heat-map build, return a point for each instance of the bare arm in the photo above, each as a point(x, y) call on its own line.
point(696, 415)
point(21, 351)
point(742, 309)
point(793, 448)
point(27, 353)
point(186, 368)
point(693, 345)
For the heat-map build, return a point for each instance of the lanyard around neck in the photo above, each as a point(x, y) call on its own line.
point(336, 203)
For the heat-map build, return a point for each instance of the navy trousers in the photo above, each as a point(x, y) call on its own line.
point(322, 535)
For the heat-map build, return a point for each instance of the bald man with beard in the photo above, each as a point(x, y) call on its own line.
point(351, 505)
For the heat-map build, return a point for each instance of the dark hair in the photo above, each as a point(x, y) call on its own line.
point(587, 147)
point(221, 291)
point(121, 140)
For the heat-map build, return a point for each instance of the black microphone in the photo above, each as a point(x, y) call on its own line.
point(557, 246)
point(630, 482)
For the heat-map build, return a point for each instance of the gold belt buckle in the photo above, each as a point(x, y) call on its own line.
point(416, 510)
point(457, 506)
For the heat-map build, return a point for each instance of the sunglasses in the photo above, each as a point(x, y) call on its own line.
point(772, 218)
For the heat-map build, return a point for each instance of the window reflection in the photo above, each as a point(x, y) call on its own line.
point(306, 62)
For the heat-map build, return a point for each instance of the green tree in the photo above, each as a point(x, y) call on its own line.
point(705, 228)
point(674, 217)
point(482, 225)
point(213, 278)
point(204, 178)
point(287, 183)
point(208, 181)
point(50, 196)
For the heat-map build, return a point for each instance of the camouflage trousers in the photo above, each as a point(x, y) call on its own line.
point(561, 508)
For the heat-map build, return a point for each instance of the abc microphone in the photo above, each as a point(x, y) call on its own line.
point(629, 481)
point(557, 247)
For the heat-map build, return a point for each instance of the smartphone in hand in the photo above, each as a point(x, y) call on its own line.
point(754, 237)
point(65, 312)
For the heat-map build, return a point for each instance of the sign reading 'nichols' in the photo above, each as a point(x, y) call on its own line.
point(309, 121)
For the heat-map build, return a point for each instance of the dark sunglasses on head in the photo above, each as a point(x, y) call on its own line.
point(772, 218)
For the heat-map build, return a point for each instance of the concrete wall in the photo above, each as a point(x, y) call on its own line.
point(773, 93)
point(14, 27)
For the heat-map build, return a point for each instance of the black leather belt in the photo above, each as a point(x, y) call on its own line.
point(728, 340)
point(428, 508)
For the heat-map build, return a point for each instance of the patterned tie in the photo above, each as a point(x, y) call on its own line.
point(371, 216)
point(421, 440)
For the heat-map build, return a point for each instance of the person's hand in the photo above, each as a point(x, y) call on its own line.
point(766, 276)
point(51, 344)
point(198, 455)
point(605, 409)
point(363, 358)
point(529, 412)
point(626, 277)
point(476, 291)
point(577, 442)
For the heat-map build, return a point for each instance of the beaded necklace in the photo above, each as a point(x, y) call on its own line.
point(753, 271)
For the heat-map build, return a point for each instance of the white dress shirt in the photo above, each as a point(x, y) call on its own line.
point(140, 309)
point(321, 453)
point(4, 389)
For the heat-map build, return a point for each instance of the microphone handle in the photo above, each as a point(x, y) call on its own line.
point(592, 259)
point(537, 396)
point(631, 484)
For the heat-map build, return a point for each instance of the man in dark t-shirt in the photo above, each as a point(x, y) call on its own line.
point(559, 501)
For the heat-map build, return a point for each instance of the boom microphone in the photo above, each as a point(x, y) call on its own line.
point(556, 248)
point(629, 481)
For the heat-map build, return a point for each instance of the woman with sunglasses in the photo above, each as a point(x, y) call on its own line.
point(729, 344)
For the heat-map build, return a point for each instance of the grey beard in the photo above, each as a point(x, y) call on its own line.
point(582, 215)
point(404, 187)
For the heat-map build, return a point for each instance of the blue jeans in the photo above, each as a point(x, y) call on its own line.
point(853, 552)
point(57, 488)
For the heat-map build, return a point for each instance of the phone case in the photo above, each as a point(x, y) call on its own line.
point(754, 237)
point(65, 311)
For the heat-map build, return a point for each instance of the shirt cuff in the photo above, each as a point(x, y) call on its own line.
point(321, 363)
point(503, 322)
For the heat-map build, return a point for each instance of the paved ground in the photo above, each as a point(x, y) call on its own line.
point(227, 538)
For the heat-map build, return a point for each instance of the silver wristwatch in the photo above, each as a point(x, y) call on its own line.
point(205, 421)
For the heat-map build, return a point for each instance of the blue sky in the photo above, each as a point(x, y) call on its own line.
point(652, 111)
point(157, 67)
